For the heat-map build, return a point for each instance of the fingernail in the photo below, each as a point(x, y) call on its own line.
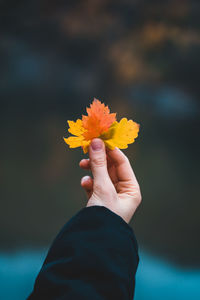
point(96, 144)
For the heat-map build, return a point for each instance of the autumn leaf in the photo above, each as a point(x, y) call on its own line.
point(75, 128)
point(98, 120)
point(121, 134)
point(100, 123)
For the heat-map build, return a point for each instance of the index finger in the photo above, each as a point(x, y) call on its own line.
point(123, 167)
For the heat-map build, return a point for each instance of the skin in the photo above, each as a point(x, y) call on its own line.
point(114, 184)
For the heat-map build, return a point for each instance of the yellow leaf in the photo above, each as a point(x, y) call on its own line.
point(121, 134)
point(85, 146)
point(74, 141)
point(76, 128)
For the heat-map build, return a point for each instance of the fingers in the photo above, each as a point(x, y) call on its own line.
point(98, 161)
point(85, 164)
point(123, 168)
point(87, 185)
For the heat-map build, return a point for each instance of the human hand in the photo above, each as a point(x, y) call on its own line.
point(114, 184)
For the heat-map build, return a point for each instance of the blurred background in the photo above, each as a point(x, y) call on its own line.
point(142, 59)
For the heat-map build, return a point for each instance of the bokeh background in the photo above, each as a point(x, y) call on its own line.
point(142, 59)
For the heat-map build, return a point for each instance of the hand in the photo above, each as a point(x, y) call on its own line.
point(114, 184)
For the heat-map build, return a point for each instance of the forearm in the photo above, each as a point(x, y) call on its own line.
point(93, 257)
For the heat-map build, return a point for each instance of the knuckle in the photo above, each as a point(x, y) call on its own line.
point(99, 161)
point(138, 196)
point(139, 199)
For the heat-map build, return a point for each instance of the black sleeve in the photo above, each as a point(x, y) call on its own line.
point(94, 257)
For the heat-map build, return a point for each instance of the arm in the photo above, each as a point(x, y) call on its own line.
point(95, 255)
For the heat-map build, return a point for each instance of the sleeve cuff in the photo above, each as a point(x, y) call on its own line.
point(95, 214)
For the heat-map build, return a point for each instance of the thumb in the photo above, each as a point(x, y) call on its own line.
point(98, 161)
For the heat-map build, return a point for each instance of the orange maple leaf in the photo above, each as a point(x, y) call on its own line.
point(98, 120)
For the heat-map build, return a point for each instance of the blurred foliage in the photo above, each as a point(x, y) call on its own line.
point(139, 57)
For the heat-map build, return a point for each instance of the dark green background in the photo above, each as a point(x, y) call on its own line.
point(139, 57)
